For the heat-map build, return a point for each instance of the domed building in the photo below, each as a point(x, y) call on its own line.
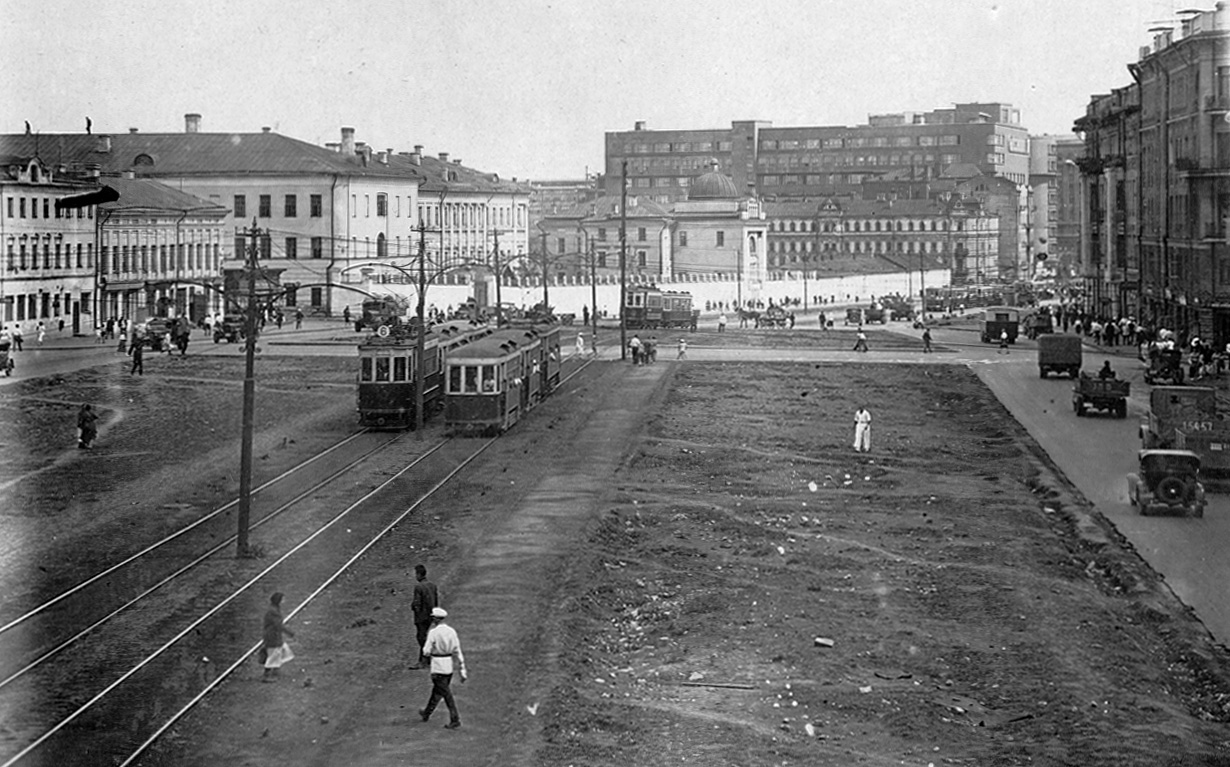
point(719, 230)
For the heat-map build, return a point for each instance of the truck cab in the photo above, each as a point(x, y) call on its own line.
point(1190, 408)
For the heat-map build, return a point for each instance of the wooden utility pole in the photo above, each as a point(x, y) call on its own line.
point(249, 399)
point(546, 277)
point(623, 263)
point(499, 312)
point(593, 295)
point(420, 332)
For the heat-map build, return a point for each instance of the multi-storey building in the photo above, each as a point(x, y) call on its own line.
point(48, 270)
point(1157, 183)
point(821, 160)
point(1041, 212)
point(1064, 252)
point(584, 241)
point(160, 253)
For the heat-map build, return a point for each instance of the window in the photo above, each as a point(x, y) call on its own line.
point(560, 245)
point(292, 247)
point(382, 204)
point(354, 205)
point(602, 259)
point(33, 207)
point(318, 247)
point(683, 239)
point(46, 207)
point(641, 234)
point(22, 205)
point(602, 234)
point(640, 258)
point(241, 247)
point(926, 140)
point(266, 246)
point(318, 296)
point(314, 206)
point(10, 207)
point(721, 239)
point(266, 206)
point(292, 206)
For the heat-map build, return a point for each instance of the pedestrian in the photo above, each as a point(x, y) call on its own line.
point(99, 332)
point(275, 651)
point(860, 345)
point(86, 418)
point(580, 344)
point(42, 332)
point(790, 318)
point(926, 338)
point(862, 430)
point(61, 324)
point(683, 349)
point(635, 346)
point(1003, 342)
point(650, 352)
point(722, 322)
point(138, 358)
point(444, 649)
point(298, 318)
point(18, 338)
point(346, 315)
point(426, 598)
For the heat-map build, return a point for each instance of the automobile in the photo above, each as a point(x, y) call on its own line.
point(1168, 480)
point(230, 329)
point(1105, 394)
point(155, 335)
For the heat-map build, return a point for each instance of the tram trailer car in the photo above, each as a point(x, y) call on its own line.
point(548, 367)
point(647, 307)
point(388, 379)
point(486, 391)
point(388, 375)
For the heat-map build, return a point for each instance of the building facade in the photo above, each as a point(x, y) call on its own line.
point(816, 161)
point(584, 242)
point(1156, 191)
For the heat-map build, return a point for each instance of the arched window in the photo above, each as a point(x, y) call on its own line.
point(382, 245)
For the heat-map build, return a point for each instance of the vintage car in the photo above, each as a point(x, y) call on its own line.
point(1168, 480)
point(230, 329)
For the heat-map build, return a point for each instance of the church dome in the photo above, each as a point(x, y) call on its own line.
point(713, 185)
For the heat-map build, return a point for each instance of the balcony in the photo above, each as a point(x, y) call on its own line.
point(1216, 103)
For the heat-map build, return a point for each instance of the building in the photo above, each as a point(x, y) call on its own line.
point(1156, 192)
point(161, 253)
point(584, 241)
point(558, 196)
point(817, 161)
point(1041, 213)
point(1064, 252)
point(50, 250)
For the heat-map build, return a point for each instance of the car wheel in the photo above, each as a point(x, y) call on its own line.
point(1172, 490)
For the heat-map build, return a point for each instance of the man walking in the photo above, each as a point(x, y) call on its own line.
point(860, 345)
point(86, 418)
point(1003, 342)
point(138, 358)
point(298, 318)
point(426, 598)
point(444, 648)
point(722, 322)
point(926, 338)
point(862, 430)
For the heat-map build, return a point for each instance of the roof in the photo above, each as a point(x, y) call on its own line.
point(438, 175)
point(264, 153)
point(147, 194)
point(713, 185)
point(608, 207)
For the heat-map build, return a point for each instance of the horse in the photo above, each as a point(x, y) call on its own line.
point(746, 316)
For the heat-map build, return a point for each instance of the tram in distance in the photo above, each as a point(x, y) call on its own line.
point(388, 373)
point(646, 307)
point(492, 382)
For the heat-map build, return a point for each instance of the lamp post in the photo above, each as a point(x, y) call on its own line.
point(623, 263)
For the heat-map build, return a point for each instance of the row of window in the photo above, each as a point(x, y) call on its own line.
point(782, 163)
point(678, 146)
point(858, 246)
point(164, 259)
point(858, 142)
point(290, 206)
point(860, 226)
point(43, 306)
point(60, 257)
point(16, 207)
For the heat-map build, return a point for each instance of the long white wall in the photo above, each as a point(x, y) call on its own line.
point(851, 289)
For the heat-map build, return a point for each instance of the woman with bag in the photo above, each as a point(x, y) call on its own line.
point(275, 651)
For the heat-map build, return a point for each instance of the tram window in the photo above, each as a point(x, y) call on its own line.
point(488, 378)
point(382, 368)
point(471, 385)
point(365, 369)
point(454, 379)
point(399, 368)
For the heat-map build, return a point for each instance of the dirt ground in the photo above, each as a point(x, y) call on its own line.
point(731, 585)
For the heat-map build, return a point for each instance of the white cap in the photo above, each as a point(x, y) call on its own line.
point(439, 612)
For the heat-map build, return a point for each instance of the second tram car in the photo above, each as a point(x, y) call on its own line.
point(647, 307)
point(492, 382)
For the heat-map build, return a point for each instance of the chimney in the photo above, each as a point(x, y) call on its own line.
point(383, 157)
point(456, 162)
point(266, 129)
point(132, 130)
point(192, 123)
point(390, 152)
point(367, 154)
point(444, 157)
point(418, 149)
point(103, 145)
point(640, 125)
point(348, 141)
point(416, 157)
point(333, 146)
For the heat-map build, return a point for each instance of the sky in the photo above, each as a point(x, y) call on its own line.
point(528, 88)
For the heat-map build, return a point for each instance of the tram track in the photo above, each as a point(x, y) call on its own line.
point(166, 654)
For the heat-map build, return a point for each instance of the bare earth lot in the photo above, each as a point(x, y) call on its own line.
point(717, 524)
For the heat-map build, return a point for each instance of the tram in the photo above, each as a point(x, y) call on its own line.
point(491, 383)
point(647, 307)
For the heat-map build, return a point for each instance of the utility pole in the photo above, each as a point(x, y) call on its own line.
point(593, 295)
point(546, 277)
point(249, 399)
point(499, 316)
point(420, 332)
point(623, 263)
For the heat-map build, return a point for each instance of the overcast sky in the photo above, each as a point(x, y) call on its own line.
point(527, 88)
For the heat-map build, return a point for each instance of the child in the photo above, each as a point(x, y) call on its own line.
point(683, 348)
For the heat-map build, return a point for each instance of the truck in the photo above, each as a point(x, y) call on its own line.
point(997, 320)
point(1213, 448)
point(1059, 353)
point(1193, 409)
point(1106, 394)
point(1039, 323)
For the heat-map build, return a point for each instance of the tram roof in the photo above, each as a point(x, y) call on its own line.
point(495, 347)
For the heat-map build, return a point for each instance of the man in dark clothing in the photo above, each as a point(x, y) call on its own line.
point(138, 358)
point(86, 418)
point(426, 599)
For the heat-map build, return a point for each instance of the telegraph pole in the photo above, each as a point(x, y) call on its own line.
point(499, 312)
point(420, 332)
point(623, 263)
point(593, 295)
point(546, 305)
point(249, 399)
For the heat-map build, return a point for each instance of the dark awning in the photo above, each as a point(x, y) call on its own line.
point(86, 199)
